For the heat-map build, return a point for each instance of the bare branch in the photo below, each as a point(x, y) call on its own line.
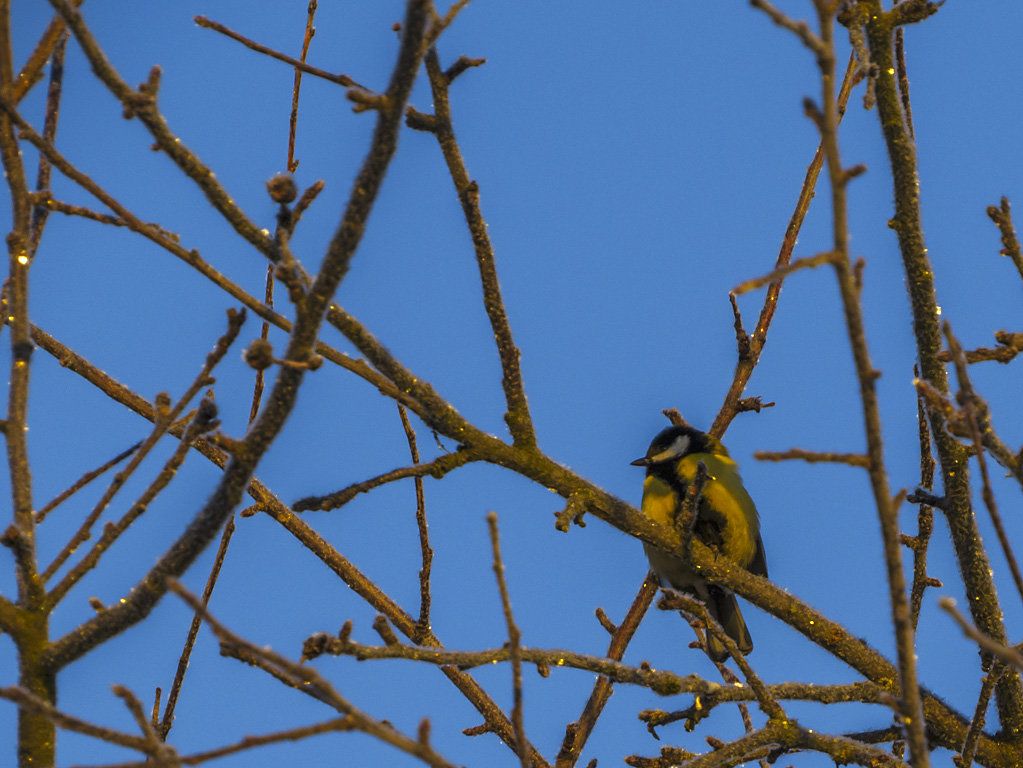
point(298, 64)
point(141, 600)
point(436, 468)
point(167, 417)
point(24, 698)
point(662, 682)
point(1002, 217)
point(423, 624)
point(314, 685)
point(514, 645)
point(517, 417)
point(814, 457)
point(167, 722)
point(310, 30)
point(83, 481)
point(1009, 656)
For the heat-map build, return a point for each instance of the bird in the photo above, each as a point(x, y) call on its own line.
point(726, 521)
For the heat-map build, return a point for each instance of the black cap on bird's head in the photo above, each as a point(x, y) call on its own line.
point(673, 443)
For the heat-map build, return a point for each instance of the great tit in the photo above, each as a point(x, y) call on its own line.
point(726, 521)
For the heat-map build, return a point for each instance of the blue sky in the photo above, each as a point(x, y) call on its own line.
point(635, 163)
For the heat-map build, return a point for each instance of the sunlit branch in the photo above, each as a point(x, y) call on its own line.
point(1002, 217)
point(194, 260)
point(440, 125)
point(167, 722)
point(578, 732)
point(83, 481)
point(662, 682)
point(53, 92)
point(973, 561)
point(426, 551)
point(309, 681)
point(142, 104)
point(298, 64)
point(752, 346)
point(436, 468)
point(167, 415)
point(247, 453)
point(276, 509)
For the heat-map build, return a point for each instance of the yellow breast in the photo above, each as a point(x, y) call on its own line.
point(723, 493)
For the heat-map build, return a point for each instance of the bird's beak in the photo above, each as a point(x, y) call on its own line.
point(643, 462)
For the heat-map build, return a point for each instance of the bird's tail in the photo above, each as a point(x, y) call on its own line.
point(723, 607)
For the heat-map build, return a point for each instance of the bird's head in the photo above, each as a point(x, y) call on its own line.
point(673, 443)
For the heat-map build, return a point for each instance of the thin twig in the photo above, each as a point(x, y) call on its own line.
point(518, 418)
point(925, 518)
point(438, 25)
point(1009, 656)
point(235, 320)
point(310, 30)
point(1002, 217)
point(299, 65)
point(337, 725)
point(662, 682)
point(40, 213)
point(204, 421)
point(423, 624)
point(781, 273)
point(679, 601)
point(514, 644)
point(186, 652)
point(50, 204)
point(814, 457)
point(304, 202)
point(731, 406)
point(704, 704)
point(436, 468)
point(313, 684)
point(27, 700)
point(800, 28)
point(33, 68)
point(81, 482)
point(577, 733)
point(156, 749)
point(264, 334)
point(965, 756)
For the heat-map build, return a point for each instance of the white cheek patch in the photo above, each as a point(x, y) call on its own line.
point(677, 449)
